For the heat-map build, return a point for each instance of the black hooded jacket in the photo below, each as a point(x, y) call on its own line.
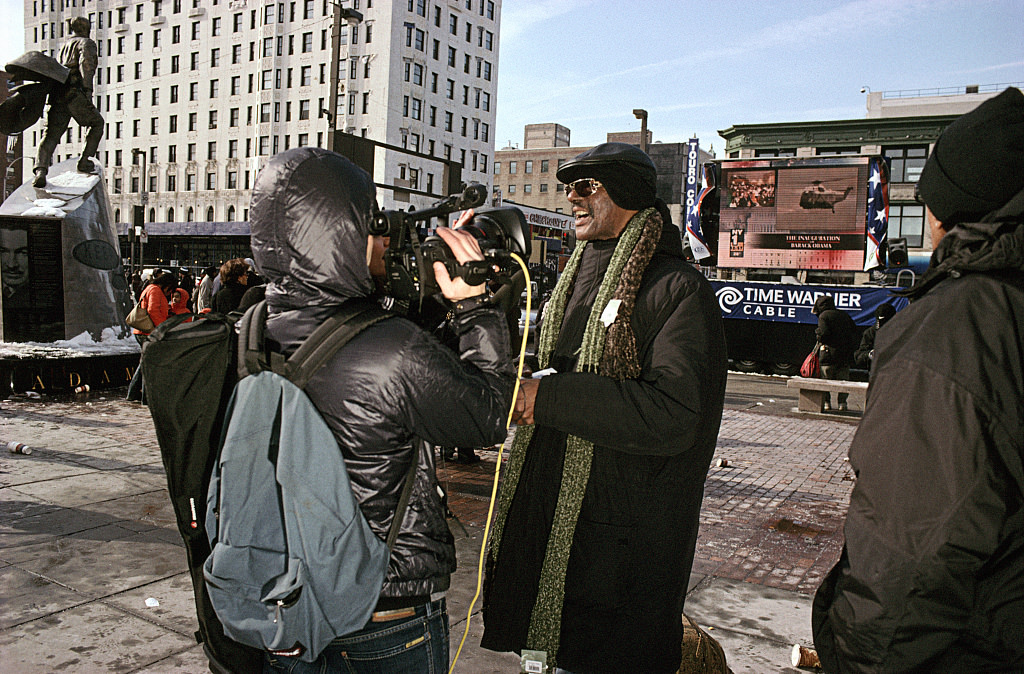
point(932, 574)
point(393, 392)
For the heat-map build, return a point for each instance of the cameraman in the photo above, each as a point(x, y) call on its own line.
point(389, 395)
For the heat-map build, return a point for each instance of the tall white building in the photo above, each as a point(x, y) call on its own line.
point(198, 94)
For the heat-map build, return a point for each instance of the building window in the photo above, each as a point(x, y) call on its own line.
point(304, 109)
point(907, 221)
point(513, 166)
point(906, 163)
point(511, 189)
point(211, 181)
point(543, 188)
point(544, 163)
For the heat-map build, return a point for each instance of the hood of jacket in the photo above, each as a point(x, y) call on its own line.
point(310, 215)
point(995, 244)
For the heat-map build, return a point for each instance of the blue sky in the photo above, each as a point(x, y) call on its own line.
point(698, 67)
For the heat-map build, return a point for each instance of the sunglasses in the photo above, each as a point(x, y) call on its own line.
point(583, 187)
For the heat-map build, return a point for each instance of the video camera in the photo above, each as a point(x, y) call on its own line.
point(409, 262)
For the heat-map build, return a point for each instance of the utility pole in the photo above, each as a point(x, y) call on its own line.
point(139, 223)
point(352, 17)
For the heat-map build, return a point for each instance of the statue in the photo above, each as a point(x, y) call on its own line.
point(73, 100)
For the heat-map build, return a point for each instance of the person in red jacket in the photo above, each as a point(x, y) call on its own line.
point(155, 297)
point(179, 303)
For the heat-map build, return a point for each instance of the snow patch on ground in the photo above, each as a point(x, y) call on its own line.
point(81, 345)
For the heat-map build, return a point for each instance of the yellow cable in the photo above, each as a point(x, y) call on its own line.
point(497, 466)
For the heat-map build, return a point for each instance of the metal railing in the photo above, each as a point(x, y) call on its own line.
point(950, 91)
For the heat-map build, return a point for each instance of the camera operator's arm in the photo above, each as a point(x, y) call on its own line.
point(465, 248)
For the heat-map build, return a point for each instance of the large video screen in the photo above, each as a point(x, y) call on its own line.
point(774, 214)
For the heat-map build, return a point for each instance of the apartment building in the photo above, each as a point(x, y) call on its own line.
point(527, 176)
point(198, 94)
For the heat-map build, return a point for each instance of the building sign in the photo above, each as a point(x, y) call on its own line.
point(793, 303)
point(809, 216)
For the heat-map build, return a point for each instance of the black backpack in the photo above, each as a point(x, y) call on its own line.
point(190, 370)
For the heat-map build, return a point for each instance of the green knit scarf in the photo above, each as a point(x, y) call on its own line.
point(621, 280)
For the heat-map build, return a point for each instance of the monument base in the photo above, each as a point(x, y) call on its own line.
point(44, 375)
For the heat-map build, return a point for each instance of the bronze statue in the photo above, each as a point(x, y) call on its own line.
point(73, 100)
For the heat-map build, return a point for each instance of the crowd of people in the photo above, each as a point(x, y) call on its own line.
point(232, 287)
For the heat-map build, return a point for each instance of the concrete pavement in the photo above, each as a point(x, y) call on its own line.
point(92, 571)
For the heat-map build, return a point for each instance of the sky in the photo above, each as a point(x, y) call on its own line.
point(698, 67)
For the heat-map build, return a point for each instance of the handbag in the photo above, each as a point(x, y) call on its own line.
point(811, 366)
point(139, 319)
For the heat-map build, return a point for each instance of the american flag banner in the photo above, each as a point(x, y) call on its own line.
point(878, 214)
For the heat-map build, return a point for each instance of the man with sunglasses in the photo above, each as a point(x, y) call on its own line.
point(931, 577)
point(597, 520)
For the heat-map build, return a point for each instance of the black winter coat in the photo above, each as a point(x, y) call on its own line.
point(228, 297)
point(653, 437)
point(932, 574)
point(838, 332)
point(394, 391)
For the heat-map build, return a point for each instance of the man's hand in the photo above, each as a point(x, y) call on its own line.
point(525, 400)
point(465, 248)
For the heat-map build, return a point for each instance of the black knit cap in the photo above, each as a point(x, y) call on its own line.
point(627, 173)
point(977, 164)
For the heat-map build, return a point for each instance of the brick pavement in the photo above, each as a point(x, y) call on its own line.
point(773, 516)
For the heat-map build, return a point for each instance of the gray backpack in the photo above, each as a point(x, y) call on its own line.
point(294, 564)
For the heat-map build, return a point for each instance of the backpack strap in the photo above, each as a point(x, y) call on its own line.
point(325, 341)
point(252, 354)
point(312, 354)
point(403, 501)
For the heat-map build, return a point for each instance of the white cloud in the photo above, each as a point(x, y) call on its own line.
point(518, 17)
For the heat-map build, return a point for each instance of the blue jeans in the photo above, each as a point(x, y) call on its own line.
point(413, 645)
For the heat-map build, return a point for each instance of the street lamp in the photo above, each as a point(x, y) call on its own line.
point(642, 116)
point(352, 17)
point(139, 220)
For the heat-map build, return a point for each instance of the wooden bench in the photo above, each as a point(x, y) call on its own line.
point(812, 391)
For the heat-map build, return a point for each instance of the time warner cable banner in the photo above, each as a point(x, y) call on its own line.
point(793, 303)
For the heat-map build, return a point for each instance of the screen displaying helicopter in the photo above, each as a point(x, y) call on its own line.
point(797, 214)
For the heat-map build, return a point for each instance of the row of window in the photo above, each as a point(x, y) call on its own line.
point(190, 217)
point(304, 78)
point(513, 166)
point(412, 107)
point(481, 99)
point(906, 163)
point(484, 7)
point(528, 188)
point(416, 39)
